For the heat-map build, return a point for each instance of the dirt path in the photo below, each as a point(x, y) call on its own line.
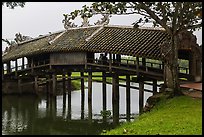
point(193, 93)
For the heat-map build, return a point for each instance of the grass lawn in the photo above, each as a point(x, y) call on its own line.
point(180, 115)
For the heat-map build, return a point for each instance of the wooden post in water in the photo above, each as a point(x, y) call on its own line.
point(141, 95)
point(115, 98)
point(110, 62)
point(8, 67)
point(54, 82)
point(104, 94)
point(16, 67)
point(48, 84)
point(143, 62)
point(90, 97)
point(128, 97)
point(36, 84)
point(2, 71)
point(154, 86)
point(69, 95)
point(64, 105)
point(82, 95)
point(23, 63)
point(19, 85)
point(63, 84)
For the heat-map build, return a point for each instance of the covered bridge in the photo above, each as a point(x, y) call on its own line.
point(78, 46)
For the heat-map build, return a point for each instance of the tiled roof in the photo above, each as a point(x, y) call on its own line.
point(127, 41)
point(111, 39)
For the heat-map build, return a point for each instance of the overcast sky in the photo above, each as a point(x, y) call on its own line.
point(40, 18)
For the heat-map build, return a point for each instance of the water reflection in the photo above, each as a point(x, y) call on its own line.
point(32, 115)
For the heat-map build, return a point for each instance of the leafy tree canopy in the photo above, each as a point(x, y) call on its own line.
point(173, 16)
point(12, 5)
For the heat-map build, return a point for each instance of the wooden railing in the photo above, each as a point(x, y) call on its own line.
point(28, 66)
point(129, 62)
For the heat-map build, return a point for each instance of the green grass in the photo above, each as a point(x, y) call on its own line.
point(176, 116)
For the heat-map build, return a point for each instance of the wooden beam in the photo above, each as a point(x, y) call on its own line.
point(82, 95)
point(16, 67)
point(90, 96)
point(23, 63)
point(69, 95)
point(36, 84)
point(128, 97)
point(63, 83)
point(19, 85)
point(141, 96)
point(154, 86)
point(54, 84)
point(104, 94)
point(110, 62)
point(8, 67)
point(115, 98)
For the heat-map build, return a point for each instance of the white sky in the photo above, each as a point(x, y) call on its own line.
point(40, 18)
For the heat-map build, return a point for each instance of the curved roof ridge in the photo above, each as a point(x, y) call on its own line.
point(127, 26)
point(94, 33)
point(39, 37)
point(93, 26)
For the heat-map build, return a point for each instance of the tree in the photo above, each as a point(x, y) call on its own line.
point(174, 17)
point(12, 5)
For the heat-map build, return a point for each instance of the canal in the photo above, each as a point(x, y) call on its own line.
point(32, 115)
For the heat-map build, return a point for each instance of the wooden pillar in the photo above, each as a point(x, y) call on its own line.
point(154, 86)
point(141, 96)
point(115, 98)
point(82, 95)
point(104, 94)
point(23, 63)
point(110, 61)
point(90, 96)
point(64, 105)
point(8, 67)
point(128, 97)
point(36, 84)
point(49, 85)
point(16, 67)
point(63, 84)
point(137, 66)
point(143, 62)
point(2, 71)
point(69, 95)
point(19, 85)
point(54, 82)
point(32, 65)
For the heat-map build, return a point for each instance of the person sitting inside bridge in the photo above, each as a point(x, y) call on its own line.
point(103, 59)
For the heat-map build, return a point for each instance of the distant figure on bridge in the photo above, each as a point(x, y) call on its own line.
point(103, 59)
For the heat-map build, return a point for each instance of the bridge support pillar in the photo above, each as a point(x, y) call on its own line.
point(64, 105)
point(104, 95)
point(90, 96)
point(36, 84)
point(82, 95)
point(141, 96)
point(19, 85)
point(63, 83)
point(69, 95)
point(48, 85)
point(54, 79)
point(128, 97)
point(154, 86)
point(115, 98)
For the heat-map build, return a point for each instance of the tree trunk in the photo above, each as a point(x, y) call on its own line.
point(172, 73)
point(175, 70)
